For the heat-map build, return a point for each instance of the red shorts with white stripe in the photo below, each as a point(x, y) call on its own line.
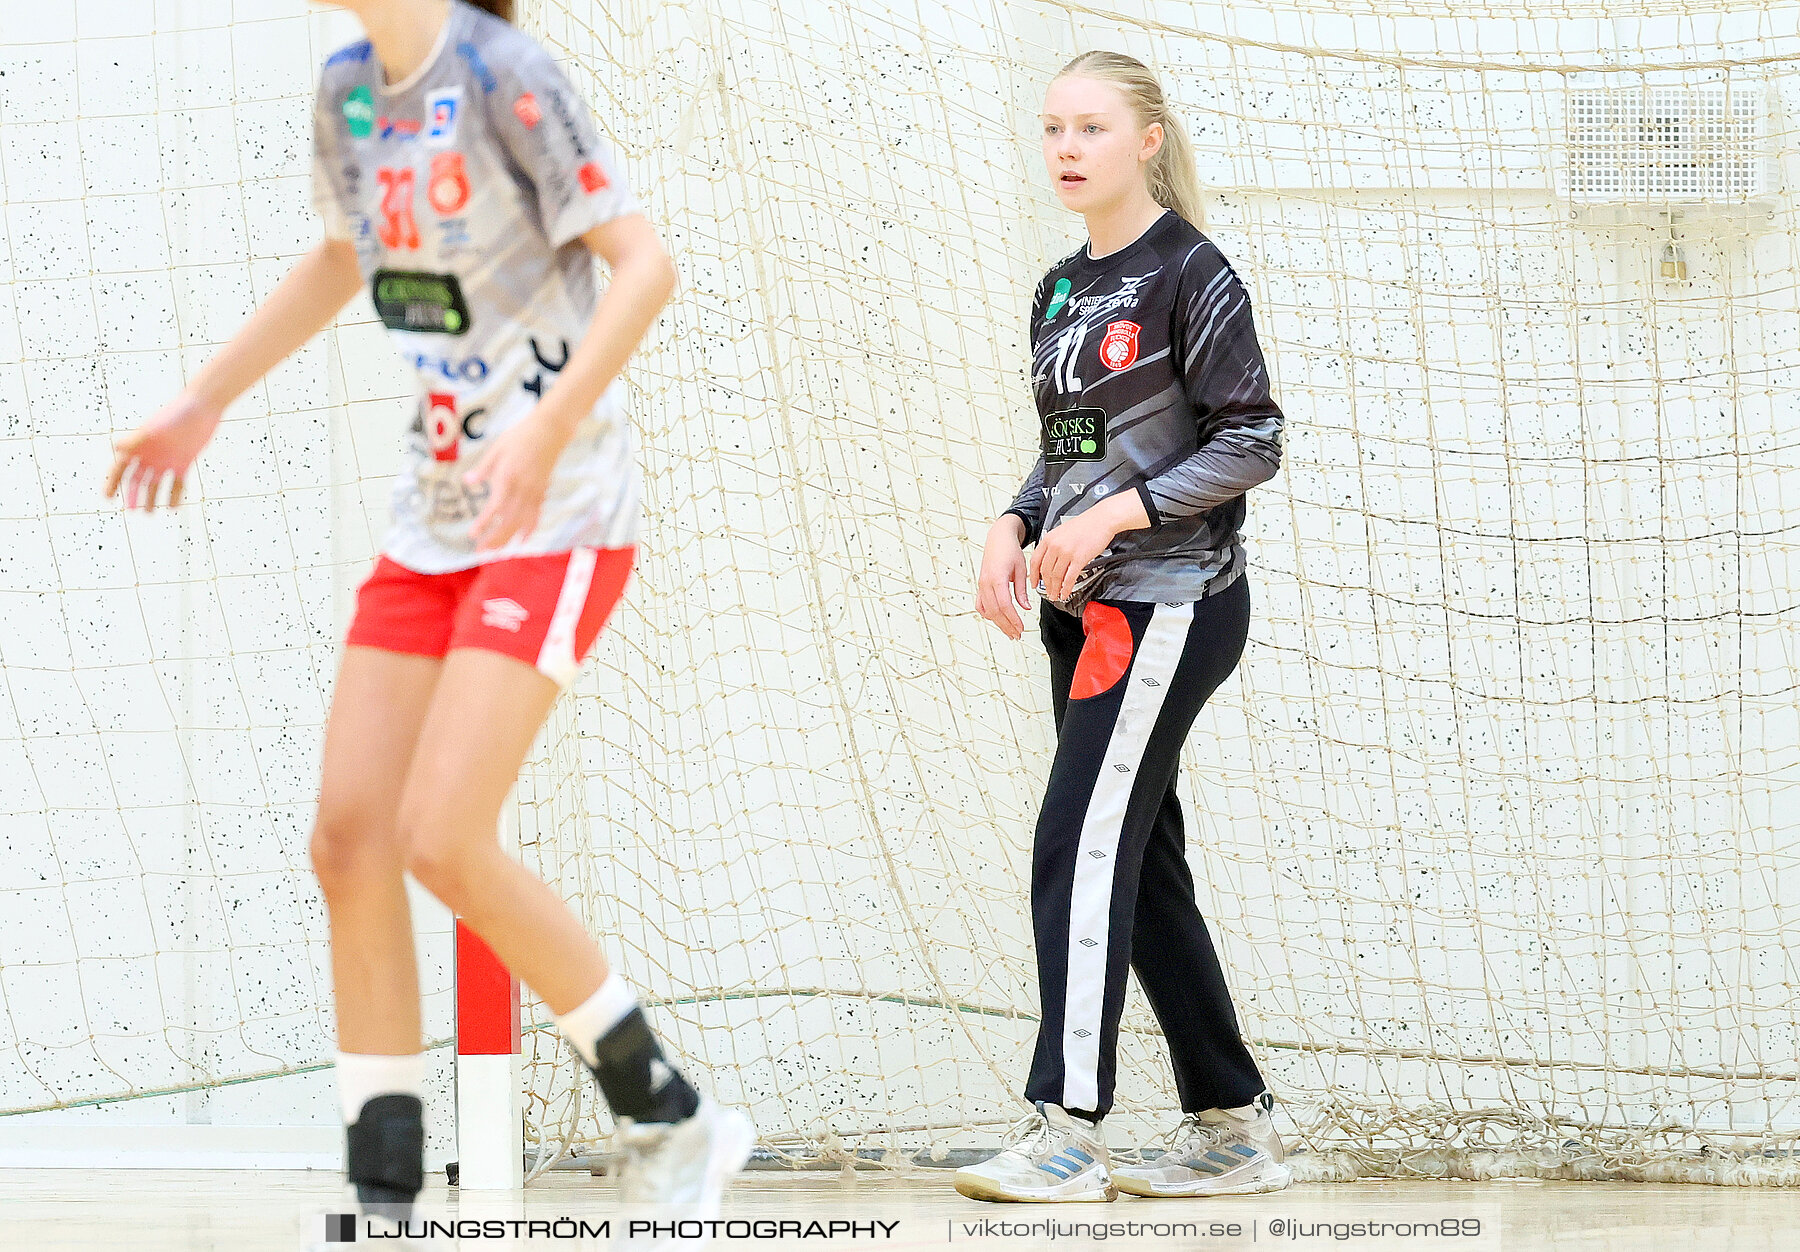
point(543, 610)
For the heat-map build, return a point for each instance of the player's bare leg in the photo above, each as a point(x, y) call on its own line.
point(681, 1148)
point(471, 746)
point(377, 707)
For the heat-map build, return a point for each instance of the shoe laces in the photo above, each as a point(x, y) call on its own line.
point(1193, 1132)
point(1030, 1135)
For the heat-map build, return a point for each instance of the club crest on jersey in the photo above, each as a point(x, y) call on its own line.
point(448, 189)
point(1119, 349)
point(442, 427)
point(442, 108)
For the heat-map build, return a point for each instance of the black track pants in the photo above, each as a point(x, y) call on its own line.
point(1110, 884)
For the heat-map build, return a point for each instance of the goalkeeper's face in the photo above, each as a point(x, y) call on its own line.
point(1095, 151)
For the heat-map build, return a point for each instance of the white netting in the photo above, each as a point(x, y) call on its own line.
point(1499, 829)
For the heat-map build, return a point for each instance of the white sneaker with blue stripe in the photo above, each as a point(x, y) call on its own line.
point(1054, 1158)
point(1218, 1152)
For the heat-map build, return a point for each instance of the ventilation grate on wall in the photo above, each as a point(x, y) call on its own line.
point(1705, 143)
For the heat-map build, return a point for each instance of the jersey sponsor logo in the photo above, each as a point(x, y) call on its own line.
point(526, 108)
point(483, 75)
point(505, 613)
point(442, 108)
point(453, 237)
point(557, 189)
point(442, 498)
point(559, 105)
point(1101, 305)
point(1120, 347)
point(472, 423)
point(1058, 298)
point(448, 189)
point(545, 367)
point(399, 229)
point(418, 301)
point(1077, 434)
point(401, 128)
point(359, 112)
point(443, 429)
point(592, 177)
point(469, 370)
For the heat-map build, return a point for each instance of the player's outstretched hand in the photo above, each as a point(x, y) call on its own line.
point(161, 450)
point(1000, 590)
point(517, 472)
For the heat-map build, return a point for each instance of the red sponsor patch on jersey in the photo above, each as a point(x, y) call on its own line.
point(526, 107)
point(443, 429)
point(448, 189)
point(1119, 348)
point(593, 178)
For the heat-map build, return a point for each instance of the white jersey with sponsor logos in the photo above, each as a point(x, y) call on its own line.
point(466, 190)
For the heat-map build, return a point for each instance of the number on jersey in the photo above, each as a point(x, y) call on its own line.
point(399, 229)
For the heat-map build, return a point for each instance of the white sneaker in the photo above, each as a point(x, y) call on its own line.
point(686, 1163)
point(1213, 1153)
point(1053, 1158)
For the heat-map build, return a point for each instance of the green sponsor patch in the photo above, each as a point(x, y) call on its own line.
point(1075, 435)
point(359, 112)
point(1058, 298)
point(412, 300)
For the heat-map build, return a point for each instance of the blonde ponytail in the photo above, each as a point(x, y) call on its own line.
point(1173, 181)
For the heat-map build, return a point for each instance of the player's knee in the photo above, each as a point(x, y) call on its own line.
point(433, 861)
point(352, 845)
point(439, 871)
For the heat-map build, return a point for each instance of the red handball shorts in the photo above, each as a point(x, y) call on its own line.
point(543, 610)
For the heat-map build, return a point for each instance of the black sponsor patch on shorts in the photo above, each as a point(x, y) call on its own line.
point(414, 300)
point(1075, 435)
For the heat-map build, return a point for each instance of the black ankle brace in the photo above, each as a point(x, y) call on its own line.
point(635, 1079)
point(384, 1155)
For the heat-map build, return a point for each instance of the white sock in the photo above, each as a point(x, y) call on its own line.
point(583, 1025)
point(361, 1076)
point(1247, 1113)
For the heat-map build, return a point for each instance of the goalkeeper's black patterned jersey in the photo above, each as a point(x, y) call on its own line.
point(1148, 377)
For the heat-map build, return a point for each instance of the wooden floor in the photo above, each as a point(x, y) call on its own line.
point(150, 1211)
